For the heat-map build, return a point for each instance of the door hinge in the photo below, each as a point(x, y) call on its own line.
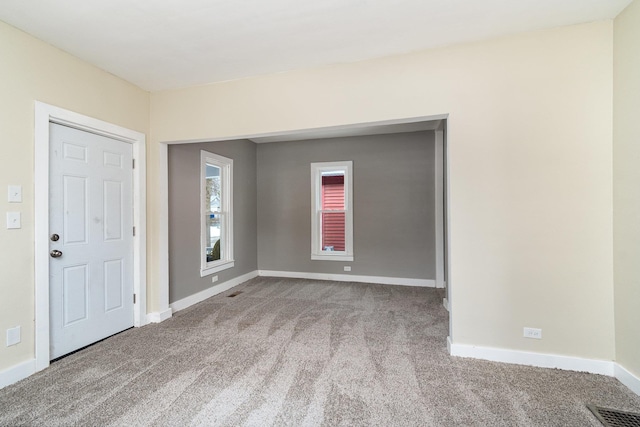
point(134, 298)
point(133, 163)
point(134, 231)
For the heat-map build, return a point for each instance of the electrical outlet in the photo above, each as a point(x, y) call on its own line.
point(214, 279)
point(533, 333)
point(13, 336)
point(347, 268)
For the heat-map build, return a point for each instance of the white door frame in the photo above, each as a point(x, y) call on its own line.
point(45, 114)
point(439, 207)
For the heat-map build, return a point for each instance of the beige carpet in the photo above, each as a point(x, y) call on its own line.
point(302, 353)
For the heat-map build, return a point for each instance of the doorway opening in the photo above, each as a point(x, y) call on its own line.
point(432, 123)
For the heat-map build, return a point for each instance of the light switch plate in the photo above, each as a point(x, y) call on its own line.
point(14, 194)
point(13, 220)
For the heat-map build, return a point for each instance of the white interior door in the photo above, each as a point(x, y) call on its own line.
point(91, 244)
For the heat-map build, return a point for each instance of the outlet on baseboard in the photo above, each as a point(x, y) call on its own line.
point(347, 268)
point(532, 333)
point(13, 336)
point(214, 279)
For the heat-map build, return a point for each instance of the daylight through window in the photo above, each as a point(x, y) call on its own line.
point(332, 218)
point(216, 213)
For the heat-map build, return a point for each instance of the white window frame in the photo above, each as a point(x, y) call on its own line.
point(226, 209)
point(316, 211)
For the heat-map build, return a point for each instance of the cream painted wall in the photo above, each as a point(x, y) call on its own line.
point(626, 186)
point(530, 139)
point(32, 70)
point(530, 136)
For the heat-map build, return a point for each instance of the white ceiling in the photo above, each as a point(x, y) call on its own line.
point(167, 44)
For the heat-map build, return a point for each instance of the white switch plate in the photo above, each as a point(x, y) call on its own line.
point(347, 268)
point(13, 220)
point(14, 194)
point(214, 279)
point(532, 333)
point(13, 336)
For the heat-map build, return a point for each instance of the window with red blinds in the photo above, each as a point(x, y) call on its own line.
point(333, 213)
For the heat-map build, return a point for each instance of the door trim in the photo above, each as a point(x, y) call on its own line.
point(45, 114)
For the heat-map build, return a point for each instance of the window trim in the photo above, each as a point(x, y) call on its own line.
point(316, 208)
point(226, 175)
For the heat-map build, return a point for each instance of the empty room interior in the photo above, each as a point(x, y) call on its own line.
point(320, 213)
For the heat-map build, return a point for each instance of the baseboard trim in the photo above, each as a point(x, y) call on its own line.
point(159, 316)
point(627, 378)
point(209, 292)
point(18, 372)
point(425, 283)
point(541, 360)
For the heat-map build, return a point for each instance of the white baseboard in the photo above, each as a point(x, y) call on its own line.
point(159, 316)
point(541, 360)
point(214, 290)
point(628, 379)
point(18, 372)
point(425, 283)
point(225, 286)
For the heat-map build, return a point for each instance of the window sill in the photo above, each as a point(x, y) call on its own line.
point(215, 268)
point(337, 257)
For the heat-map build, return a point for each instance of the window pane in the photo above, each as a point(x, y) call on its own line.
point(333, 231)
point(214, 194)
point(331, 211)
point(214, 233)
point(217, 216)
point(213, 202)
point(333, 190)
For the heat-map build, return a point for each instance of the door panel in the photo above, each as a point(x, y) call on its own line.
point(91, 209)
point(74, 152)
point(113, 210)
point(76, 209)
point(75, 281)
point(113, 284)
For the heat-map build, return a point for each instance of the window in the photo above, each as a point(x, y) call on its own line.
point(332, 211)
point(216, 226)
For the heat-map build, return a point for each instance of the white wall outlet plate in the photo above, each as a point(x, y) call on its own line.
point(13, 336)
point(347, 268)
point(214, 279)
point(533, 333)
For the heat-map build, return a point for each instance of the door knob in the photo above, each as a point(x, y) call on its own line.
point(55, 237)
point(55, 253)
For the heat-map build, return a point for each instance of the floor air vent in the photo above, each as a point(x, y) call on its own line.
point(614, 418)
point(236, 293)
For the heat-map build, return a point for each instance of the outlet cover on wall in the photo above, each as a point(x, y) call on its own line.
point(214, 279)
point(533, 333)
point(347, 268)
point(13, 336)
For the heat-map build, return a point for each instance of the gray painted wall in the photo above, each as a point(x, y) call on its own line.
point(394, 190)
point(184, 216)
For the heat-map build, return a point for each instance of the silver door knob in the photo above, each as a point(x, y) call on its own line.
point(55, 253)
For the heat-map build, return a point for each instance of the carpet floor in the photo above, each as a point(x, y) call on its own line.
point(302, 353)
